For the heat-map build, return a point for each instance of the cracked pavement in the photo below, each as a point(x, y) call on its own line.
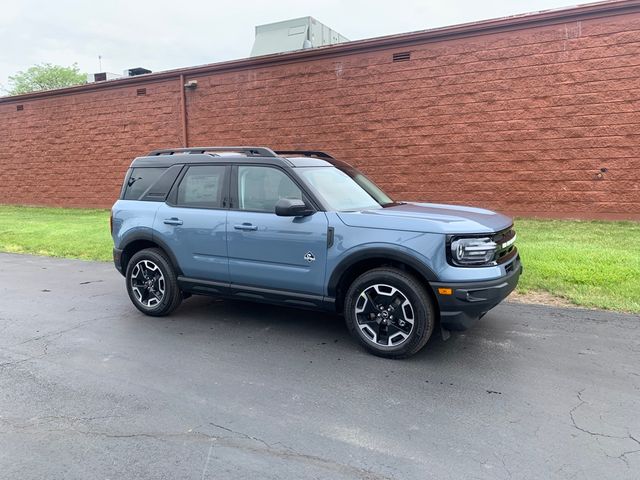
point(91, 388)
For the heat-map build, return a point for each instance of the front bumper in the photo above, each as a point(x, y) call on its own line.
point(469, 301)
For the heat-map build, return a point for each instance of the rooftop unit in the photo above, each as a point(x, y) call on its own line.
point(296, 34)
point(132, 72)
point(102, 76)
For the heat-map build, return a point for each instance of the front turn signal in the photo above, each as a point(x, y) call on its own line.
point(445, 291)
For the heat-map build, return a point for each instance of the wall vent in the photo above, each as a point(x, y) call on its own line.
point(19, 107)
point(141, 91)
point(402, 56)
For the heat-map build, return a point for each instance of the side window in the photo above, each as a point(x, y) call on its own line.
point(260, 188)
point(139, 180)
point(202, 186)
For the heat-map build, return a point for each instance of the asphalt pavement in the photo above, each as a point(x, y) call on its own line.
point(91, 388)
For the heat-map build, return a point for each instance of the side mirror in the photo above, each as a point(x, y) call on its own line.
point(292, 207)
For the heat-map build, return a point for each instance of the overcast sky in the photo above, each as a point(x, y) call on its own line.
point(162, 35)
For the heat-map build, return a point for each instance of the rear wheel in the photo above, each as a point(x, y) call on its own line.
point(389, 312)
point(152, 283)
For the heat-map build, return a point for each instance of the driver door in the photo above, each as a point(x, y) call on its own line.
point(267, 251)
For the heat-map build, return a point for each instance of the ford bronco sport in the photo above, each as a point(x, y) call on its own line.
point(301, 228)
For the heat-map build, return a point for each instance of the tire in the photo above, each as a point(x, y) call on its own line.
point(152, 283)
point(409, 319)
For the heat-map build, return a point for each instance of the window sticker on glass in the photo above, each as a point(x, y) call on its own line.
point(201, 188)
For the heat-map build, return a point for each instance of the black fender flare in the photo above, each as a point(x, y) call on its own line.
point(148, 236)
point(376, 252)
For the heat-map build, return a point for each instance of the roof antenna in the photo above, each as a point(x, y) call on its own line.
point(100, 63)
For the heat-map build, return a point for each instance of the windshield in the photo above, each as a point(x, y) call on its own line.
point(344, 189)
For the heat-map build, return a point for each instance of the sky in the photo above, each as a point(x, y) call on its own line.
point(161, 35)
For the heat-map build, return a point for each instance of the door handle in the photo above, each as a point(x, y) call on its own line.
point(247, 227)
point(172, 221)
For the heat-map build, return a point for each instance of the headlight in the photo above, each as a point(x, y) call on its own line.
point(473, 251)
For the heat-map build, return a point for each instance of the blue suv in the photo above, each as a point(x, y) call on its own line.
point(303, 229)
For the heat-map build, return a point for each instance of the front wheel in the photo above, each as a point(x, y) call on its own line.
point(389, 312)
point(152, 283)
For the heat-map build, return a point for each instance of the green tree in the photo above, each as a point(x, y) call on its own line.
point(45, 77)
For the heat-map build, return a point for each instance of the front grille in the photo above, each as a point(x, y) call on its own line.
point(504, 253)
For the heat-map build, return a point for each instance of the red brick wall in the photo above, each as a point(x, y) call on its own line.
point(74, 150)
point(519, 121)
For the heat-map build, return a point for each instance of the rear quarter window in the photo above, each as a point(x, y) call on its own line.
point(140, 180)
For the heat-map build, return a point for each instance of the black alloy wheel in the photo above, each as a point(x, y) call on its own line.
point(390, 312)
point(152, 283)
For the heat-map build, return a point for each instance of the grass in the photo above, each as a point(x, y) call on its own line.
point(592, 264)
point(56, 232)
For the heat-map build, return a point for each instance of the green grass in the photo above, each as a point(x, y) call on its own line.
point(57, 232)
point(593, 264)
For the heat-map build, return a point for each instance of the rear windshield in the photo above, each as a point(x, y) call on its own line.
point(139, 180)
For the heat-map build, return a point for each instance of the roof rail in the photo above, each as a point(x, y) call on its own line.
point(248, 151)
point(305, 153)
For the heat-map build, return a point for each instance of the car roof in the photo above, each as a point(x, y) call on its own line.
point(256, 155)
point(308, 162)
point(196, 158)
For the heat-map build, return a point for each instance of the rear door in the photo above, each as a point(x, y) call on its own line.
point(193, 222)
point(268, 251)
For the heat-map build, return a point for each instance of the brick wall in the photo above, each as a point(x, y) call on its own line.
point(521, 121)
point(74, 150)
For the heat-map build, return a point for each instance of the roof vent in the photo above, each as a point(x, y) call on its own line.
point(19, 107)
point(402, 56)
point(141, 91)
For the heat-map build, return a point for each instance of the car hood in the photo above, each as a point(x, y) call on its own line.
point(429, 217)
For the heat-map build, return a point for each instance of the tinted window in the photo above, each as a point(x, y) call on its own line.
point(160, 189)
point(260, 188)
point(139, 180)
point(202, 186)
